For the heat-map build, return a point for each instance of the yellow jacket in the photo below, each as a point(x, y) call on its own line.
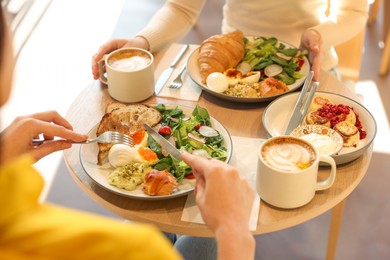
point(30, 230)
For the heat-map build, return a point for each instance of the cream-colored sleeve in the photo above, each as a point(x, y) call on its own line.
point(171, 23)
point(347, 18)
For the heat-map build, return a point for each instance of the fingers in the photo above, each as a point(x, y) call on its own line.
point(50, 124)
point(106, 48)
point(312, 41)
point(49, 116)
point(96, 58)
point(315, 57)
point(50, 130)
point(316, 69)
point(48, 148)
point(18, 136)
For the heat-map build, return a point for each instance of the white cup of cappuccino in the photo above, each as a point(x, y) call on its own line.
point(287, 172)
point(129, 74)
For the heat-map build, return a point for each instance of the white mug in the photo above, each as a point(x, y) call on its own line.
point(287, 172)
point(129, 74)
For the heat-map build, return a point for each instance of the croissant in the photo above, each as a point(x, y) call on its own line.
point(220, 52)
point(159, 183)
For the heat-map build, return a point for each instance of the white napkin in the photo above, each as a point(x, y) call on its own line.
point(190, 90)
point(245, 159)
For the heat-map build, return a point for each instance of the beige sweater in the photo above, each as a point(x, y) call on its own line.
point(284, 19)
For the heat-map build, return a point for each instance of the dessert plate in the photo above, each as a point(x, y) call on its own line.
point(277, 114)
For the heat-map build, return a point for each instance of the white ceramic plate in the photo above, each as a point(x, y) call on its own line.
point(88, 158)
point(194, 73)
point(278, 113)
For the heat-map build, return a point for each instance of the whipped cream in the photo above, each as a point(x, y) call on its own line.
point(323, 143)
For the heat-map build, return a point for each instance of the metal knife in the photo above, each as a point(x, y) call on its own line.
point(298, 113)
point(165, 144)
point(167, 73)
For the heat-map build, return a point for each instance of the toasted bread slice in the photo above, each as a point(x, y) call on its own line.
point(348, 132)
point(318, 102)
point(126, 119)
point(313, 118)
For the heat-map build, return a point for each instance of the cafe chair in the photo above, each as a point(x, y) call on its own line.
point(384, 67)
point(385, 60)
point(350, 54)
point(374, 9)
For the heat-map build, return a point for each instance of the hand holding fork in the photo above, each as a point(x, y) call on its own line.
point(106, 137)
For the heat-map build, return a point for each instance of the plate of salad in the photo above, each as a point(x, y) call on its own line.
point(193, 130)
point(267, 57)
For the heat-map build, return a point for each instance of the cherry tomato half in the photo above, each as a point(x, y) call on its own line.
point(165, 130)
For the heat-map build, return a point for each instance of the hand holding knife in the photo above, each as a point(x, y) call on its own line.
point(165, 144)
point(167, 73)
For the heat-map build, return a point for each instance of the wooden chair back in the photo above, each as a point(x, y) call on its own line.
point(350, 55)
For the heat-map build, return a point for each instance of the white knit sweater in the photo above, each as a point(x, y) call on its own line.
point(284, 19)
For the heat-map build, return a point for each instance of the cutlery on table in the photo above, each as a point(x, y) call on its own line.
point(106, 137)
point(178, 82)
point(165, 144)
point(167, 73)
point(302, 104)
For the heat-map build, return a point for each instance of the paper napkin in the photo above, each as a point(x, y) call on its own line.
point(245, 159)
point(190, 90)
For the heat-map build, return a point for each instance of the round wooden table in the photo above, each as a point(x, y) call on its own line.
point(240, 119)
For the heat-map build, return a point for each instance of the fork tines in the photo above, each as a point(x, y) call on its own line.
point(177, 82)
point(116, 137)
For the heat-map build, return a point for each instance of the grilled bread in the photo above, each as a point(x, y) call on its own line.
point(313, 118)
point(126, 119)
point(351, 116)
point(319, 102)
point(348, 132)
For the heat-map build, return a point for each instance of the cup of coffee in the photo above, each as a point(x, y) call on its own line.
point(129, 74)
point(287, 171)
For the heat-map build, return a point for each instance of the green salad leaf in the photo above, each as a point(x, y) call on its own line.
point(261, 52)
point(187, 138)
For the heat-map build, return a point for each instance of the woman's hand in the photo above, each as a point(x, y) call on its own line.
point(311, 40)
point(114, 44)
point(17, 138)
point(225, 201)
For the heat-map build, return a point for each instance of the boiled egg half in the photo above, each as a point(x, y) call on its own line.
point(121, 154)
point(217, 82)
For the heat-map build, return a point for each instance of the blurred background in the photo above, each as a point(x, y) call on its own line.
point(54, 42)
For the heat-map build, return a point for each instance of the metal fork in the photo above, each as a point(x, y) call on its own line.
point(106, 137)
point(177, 82)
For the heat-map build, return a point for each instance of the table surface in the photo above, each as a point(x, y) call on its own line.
point(240, 119)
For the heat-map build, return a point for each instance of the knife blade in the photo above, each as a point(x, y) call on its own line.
point(297, 115)
point(167, 73)
point(165, 144)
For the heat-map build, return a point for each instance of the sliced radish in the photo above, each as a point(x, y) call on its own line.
point(244, 67)
point(196, 138)
point(208, 131)
point(202, 153)
point(174, 119)
point(164, 152)
point(283, 56)
point(273, 70)
point(185, 118)
point(172, 140)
